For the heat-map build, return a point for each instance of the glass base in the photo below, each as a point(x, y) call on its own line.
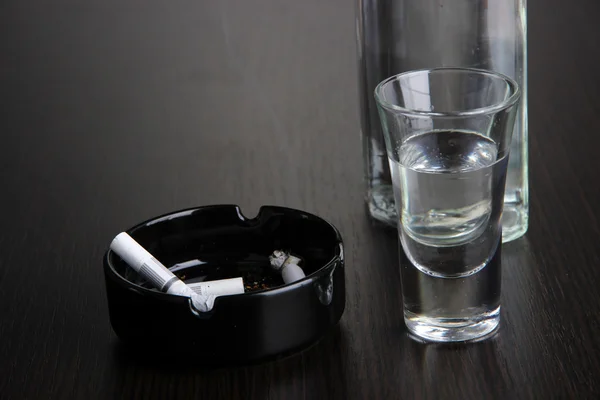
point(477, 328)
point(380, 202)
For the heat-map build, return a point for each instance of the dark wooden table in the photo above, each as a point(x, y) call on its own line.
point(115, 111)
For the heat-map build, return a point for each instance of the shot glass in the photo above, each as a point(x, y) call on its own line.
point(447, 134)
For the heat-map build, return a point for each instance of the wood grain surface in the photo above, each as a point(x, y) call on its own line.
point(112, 112)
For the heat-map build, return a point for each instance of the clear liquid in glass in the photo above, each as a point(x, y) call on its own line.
point(450, 187)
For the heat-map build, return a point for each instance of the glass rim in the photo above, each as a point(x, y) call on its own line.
point(510, 101)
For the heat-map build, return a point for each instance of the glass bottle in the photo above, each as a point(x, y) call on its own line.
point(401, 35)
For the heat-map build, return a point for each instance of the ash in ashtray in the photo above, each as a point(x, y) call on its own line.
point(261, 280)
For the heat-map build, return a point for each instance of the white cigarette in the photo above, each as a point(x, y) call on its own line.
point(219, 287)
point(161, 278)
point(288, 265)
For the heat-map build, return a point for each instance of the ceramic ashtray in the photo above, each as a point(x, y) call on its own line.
point(210, 283)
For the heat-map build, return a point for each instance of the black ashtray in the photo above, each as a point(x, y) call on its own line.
point(216, 242)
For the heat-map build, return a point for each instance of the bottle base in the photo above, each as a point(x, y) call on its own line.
point(515, 220)
point(380, 204)
point(445, 330)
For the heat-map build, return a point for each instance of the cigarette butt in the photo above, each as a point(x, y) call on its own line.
point(220, 287)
